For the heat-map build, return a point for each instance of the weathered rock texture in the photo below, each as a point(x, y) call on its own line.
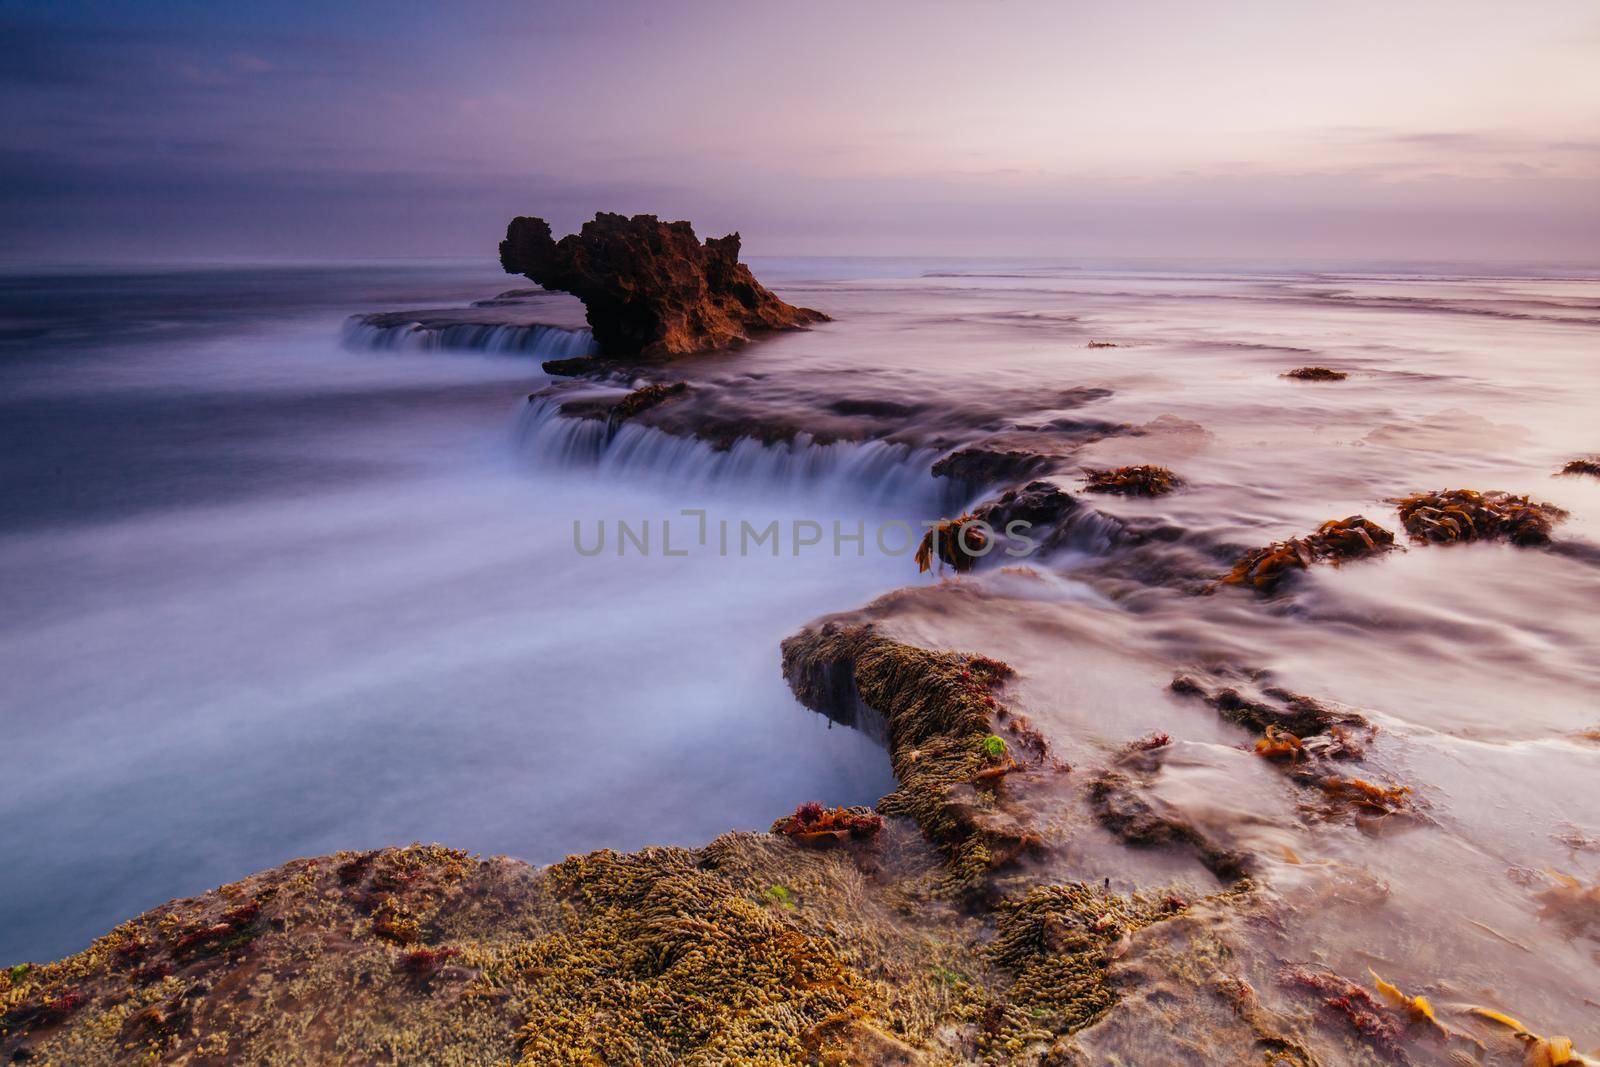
point(651, 288)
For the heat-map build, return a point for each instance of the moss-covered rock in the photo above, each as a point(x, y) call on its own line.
point(937, 712)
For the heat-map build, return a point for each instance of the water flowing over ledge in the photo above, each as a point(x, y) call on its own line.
point(873, 472)
point(539, 341)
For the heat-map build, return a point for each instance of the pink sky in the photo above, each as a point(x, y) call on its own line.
point(1359, 130)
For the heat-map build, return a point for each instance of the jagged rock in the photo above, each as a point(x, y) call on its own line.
point(978, 466)
point(651, 288)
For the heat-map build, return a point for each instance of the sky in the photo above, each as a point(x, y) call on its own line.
point(1425, 130)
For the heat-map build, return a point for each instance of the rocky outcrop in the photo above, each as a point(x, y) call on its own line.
point(651, 288)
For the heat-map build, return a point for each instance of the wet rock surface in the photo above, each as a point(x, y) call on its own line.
point(651, 288)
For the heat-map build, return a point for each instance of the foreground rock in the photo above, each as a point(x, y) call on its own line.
point(651, 288)
point(881, 948)
point(935, 930)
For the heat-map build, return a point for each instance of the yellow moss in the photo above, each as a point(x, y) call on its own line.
point(937, 709)
point(1058, 941)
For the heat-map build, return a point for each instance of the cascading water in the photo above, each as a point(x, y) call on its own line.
point(873, 472)
point(542, 342)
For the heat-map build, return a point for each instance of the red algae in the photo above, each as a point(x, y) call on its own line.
point(1348, 1001)
point(813, 824)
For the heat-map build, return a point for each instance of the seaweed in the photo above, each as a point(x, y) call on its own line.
point(1538, 1051)
point(938, 710)
point(1058, 942)
point(670, 964)
point(50, 1010)
point(1145, 479)
point(1417, 1009)
point(426, 962)
point(1277, 709)
point(1307, 737)
point(812, 824)
point(1383, 800)
point(1335, 542)
point(1349, 1001)
point(1315, 374)
point(782, 896)
point(394, 922)
point(237, 927)
point(1589, 465)
point(1453, 516)
point(959, 542)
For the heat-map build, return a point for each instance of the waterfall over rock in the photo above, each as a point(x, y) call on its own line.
point(539, 341)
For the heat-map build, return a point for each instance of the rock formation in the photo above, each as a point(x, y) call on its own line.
point(651, 288)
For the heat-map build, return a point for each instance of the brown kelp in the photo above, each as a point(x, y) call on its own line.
point(958, 542)
point(1315, 374)
point(1451, 516)
point(1589, 465)
point(1313, 742)
point(1144, 479)
point(1337, 541)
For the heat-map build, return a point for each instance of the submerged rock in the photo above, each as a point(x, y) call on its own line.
point(937, 713)
point(976, 467)
point(1316, 374)
point(650, 287)
point(1119, 799)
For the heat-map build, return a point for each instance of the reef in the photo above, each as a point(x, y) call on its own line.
point(651, 288)
point(1117, 797)
point(938, 714)
point(1312, 742)
point(613, 409)
point(844, 936)
point(1458, 515)
point(978, 467)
